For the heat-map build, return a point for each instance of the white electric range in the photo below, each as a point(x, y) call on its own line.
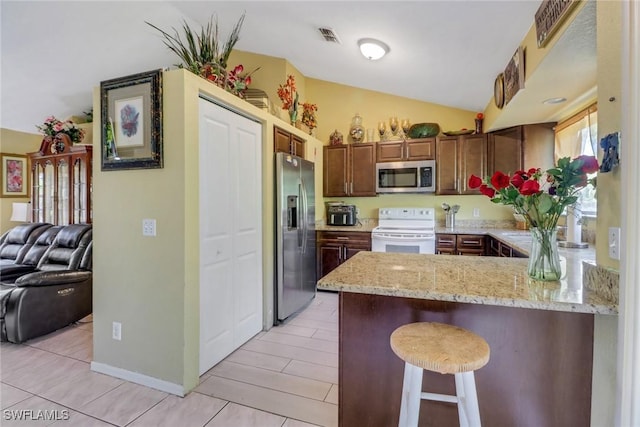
point(408, 230)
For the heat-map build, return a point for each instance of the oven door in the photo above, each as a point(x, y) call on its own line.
point(399, 242)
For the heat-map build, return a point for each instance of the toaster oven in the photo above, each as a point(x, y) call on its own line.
point(341, 215)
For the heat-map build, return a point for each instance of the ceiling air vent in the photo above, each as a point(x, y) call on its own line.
point(329, 35)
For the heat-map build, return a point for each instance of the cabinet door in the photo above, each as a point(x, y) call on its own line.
point(329, 256)
point(390, 151)
point(282, 141)
point(334, 176)
point(421, 149)
point(362, 170)
point(505, 250)
point(352, 249)
point(447, 165)
point(298, 145)
point(505, 150)
point(493, 248)
point(473, 160)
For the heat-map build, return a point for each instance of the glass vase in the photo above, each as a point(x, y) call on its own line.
point(544, 260)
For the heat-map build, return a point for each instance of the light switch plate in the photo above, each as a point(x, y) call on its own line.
point(476, 212)
point(116, 331)
point(614, 242)
point(149, 227)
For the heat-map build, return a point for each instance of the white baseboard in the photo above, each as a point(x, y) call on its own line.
point(138, 378)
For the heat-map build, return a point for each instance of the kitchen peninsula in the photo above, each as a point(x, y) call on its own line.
point(541, 337)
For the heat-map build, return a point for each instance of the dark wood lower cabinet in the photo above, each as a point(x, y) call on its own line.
point(335, 247)
point(539, 373)
point(460, 244)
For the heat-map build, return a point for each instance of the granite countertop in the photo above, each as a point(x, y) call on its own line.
point(476, 280)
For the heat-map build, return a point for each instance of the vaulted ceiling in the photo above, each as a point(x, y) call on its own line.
point(446, 52)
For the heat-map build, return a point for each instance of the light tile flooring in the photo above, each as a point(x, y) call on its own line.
point(286, 377)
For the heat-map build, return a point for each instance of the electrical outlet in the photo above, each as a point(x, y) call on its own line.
point(116, 331)
point(149, 227)
point(476, 212)
point(614, 242)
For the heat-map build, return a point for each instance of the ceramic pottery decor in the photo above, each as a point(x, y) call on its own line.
point(335, 138)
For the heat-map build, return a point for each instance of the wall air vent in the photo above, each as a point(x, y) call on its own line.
point(329, 35)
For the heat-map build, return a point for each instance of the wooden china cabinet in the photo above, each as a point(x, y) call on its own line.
point(61, 182)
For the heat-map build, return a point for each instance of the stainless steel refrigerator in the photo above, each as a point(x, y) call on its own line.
point(295, 235)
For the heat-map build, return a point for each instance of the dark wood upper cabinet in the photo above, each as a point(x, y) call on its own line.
point(287, 142)
point(521, 147)
point(457, 158)
point(473, 160)
point(506, 152)
point(349, 170)
point(410, 149)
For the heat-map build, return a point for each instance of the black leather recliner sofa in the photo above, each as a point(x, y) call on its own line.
point(57, 291)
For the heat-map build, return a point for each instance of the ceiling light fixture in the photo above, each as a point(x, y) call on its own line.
point(373, 49)
point(554, 101)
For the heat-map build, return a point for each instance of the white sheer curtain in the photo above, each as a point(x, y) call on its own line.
point(576, 136)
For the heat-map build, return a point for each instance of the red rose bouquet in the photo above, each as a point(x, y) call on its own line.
point(541, 198)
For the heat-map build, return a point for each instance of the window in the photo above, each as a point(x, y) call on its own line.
point(577, 136)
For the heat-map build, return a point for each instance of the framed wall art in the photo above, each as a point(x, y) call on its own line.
point(131, 120)
point(15, 173)
point(514, 75)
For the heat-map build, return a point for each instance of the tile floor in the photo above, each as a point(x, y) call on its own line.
point(286, 377)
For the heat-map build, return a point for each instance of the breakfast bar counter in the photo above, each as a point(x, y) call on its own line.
point(540, 334)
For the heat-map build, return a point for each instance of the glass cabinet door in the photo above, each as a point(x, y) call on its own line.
point(37, 192)
point(48, 202)
point(63, 192)
point(80, 207)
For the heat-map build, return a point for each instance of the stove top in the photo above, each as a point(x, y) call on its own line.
point(406, 220)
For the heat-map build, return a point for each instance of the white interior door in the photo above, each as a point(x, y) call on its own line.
point(230, 232)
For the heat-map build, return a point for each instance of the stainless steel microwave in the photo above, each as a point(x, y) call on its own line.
point(406, 177)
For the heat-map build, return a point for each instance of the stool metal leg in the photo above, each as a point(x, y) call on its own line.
point(411, 391)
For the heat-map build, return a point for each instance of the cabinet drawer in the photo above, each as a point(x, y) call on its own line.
point(352, 238)
point(470, 241)
point(445, 241)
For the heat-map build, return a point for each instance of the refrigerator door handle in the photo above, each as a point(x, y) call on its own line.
point(304, 212)
point(300, 216)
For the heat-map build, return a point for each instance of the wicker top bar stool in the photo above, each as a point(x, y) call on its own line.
point(442, 348)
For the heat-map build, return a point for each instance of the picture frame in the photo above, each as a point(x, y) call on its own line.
point(131, 121)
point(514, 75)
point(15, 175)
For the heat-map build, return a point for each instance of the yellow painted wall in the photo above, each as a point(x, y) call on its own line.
point(533, 57)
point(14, 142)
point(151, 285)
point(338, 104)
point(609, 45)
